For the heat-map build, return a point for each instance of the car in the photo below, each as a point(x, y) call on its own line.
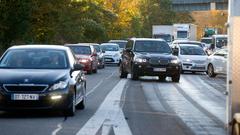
point(86, 55)
point(112, 53)
point(217, 63)
point(149, 57)
point(41, 77)
point(100, 53)
point(192, 57)
point(218, 42)
point(121, 43)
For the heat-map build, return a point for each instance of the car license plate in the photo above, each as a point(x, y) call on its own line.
point(25, 96)
point(107, 59)
point(159, 69)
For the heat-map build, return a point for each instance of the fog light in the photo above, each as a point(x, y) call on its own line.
point(56, 97)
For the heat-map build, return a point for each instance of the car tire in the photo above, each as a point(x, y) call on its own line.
point(210, 71)
point(81, 105)
point(162, 78)
point(70, 111)
point(123, 74)
point(176, 78)
point(134, 75)
point(95, 70)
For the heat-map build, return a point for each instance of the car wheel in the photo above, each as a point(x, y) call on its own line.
point(123, 74)
point(210, 71)
point(81, 105)
point(176, 78)
point(95, 70)
point(70, 111)
point(162, 78)
point(134, 75)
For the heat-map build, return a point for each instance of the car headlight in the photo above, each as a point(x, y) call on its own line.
point(60, 85)
point(116, 55)
point(140, 60)
point(83, 60)
point(187, 60)
point(176, 61)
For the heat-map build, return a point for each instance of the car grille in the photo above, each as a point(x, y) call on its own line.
point(157, 61)
point(199, 61)
point(24, 88)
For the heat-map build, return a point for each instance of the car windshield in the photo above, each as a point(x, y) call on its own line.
point(110, 47)
point(97, 47)
point(85, 50)
point(207, 41)
point(191, 50)
point(220, 42)
point(152, 46)
point(121, 44)
point(34, 59)
point(192, 43)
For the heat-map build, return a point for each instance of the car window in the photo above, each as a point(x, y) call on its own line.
point(34, 59)
point(85, 50)
point(152, 46)
point(191, 50)
point(110, 47)
point(220, 42)
point(121, 44)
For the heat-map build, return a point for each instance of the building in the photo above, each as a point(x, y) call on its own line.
point(199, 5)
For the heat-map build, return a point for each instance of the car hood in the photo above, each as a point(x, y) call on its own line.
point(32, 76)
point(111, 52)
point(155, 55)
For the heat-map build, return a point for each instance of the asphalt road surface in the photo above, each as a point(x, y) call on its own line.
point(195, 106)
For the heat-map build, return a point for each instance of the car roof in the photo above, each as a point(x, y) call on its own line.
point(206, 38)
point(39, 46)
point(147, 39)
point(220, 35)
point(109, 44)
point(79, 44)
point(124, 41)
point(186, 41)
point(189, 45)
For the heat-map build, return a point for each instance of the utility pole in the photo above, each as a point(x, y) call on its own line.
point(233, 78)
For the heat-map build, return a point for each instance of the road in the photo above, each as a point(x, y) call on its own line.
point(195, 106)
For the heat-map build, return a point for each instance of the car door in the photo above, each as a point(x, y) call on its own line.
point(218, 62)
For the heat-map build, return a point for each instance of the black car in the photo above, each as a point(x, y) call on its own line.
point(41, 77)
point(149, 57)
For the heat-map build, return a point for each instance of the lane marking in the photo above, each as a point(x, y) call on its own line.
point(193, 118)
point(98, 84)
point(59, 127)
point(109, 111)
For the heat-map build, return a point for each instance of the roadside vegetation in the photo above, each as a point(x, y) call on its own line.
point(73, 21)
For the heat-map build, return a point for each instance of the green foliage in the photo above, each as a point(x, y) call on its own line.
point(74, 21)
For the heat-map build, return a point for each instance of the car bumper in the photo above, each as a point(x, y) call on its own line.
point(112, 60)
point(150, 70)
point(193, 67)
point(44, 102)
point(87, 66)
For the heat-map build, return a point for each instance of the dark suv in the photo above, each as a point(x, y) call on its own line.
point(149, 57)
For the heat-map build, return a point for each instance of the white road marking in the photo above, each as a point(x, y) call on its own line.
point(110, 111)
point(59, 127)
point(205, 98)
point(196, 120)
point(98, 84)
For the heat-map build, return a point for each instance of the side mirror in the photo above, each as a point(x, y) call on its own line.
point(77, 67)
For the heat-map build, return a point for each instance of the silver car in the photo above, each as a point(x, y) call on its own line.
point(217, 63)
